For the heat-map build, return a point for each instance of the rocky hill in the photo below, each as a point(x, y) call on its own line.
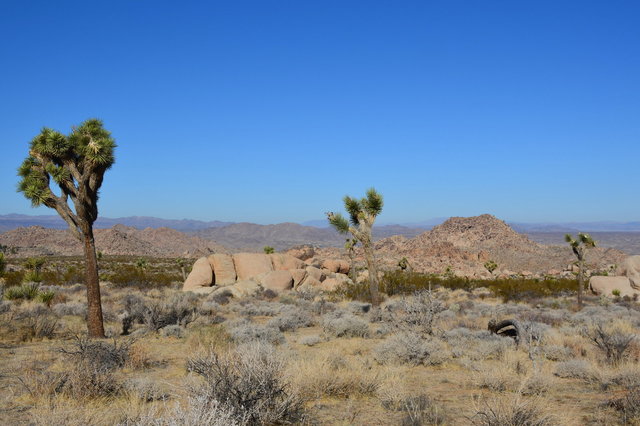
point(119, 240)
point(464, 244)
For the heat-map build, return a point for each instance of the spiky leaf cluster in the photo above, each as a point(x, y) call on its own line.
point(75, 163)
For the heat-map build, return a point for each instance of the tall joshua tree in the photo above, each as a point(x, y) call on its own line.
point(362, 214)
point(579, 246)
point(76, 163)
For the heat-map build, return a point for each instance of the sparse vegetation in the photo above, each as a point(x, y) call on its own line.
point(418, 358)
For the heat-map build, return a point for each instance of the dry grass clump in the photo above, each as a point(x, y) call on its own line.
point(242, 330)
point(333, 375)
point(29, 322)
point(511, 410)
point(340, 323)
point(575, 369)
point(628, 406)
point(249, 382)
point(418, 410)
point(612, 340)
point(412, 348)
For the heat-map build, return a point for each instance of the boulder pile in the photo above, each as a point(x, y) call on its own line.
point(626, 284)
point(245, 274)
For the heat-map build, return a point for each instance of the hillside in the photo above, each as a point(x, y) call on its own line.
point(119, 240)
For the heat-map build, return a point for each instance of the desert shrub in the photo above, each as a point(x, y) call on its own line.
point(537, 384)
point(251, 308)
point(574, 369)
point(411, 348)
point(5, 307)
point(181, 310)
point(85, 381)
point(13, 278)
point(344, 324)
point(419, 311)
point(334, 376)
point(511, 410)
point(46, 297)
point(311, 340)
point(71, 309)
point(173, 331)
point(250, 383)
point(611, 341)
point(35, 322)
point(198, 410)
point(476, 344)
point(210, 337)
point(496, 380)
point(628, 406)
point(419, 410)
point(99, 355)
point(358, 308)
point(129, 275)
point(28, 291)
point(291, 320)
point(556, 352)
point(244, 331)
point(144, 389)
point(221, 298)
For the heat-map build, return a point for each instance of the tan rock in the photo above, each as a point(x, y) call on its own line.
point(246, 288)
point(285, 262)
point(249, 265)
point(224, 271)
point(310, 281)
point(277, 281)
point(630, 267)
point(302, 253)
point(201, 275)
point(298, 276)
point(345, 266)
point(332, 265)
point(606, 285)
point(316, 273)
point(333, 283)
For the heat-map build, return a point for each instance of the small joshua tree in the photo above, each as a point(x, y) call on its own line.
point(362, 215)
point(182, 264)
point(76, 164)
point(579, 247)
point(490, 266)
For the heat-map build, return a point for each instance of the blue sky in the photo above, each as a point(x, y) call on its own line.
point(272, 111)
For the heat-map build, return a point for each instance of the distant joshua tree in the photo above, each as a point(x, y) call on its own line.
point(490, 266)
point(362, 215)
point(76, 163)
point(579, 247)
point(268, 250)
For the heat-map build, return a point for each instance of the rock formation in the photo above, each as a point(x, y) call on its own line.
point(244, 274)
point(626, 284)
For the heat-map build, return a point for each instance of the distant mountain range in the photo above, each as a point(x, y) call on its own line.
point(13, 221)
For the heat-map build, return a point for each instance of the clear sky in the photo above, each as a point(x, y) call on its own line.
point(272, 111)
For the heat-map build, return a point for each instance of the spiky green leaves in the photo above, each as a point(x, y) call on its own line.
point(34, 183)
point(584, 239)
point(338, 222)
point(372, 203)
point(93, 144)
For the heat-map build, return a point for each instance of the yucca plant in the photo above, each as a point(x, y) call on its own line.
point(579, 246)
point(46, 297)
point(362, 215)
point(76, 164)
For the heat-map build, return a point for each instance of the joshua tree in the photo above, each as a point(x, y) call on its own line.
point(34, 266)
point(182, 264)
point(76, 163)
point(268, 250)
point(362, 214)
point(579, 247)
point(490, 266)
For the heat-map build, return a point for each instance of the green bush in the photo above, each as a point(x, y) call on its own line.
point(508, 289)
point(134, 276)
point(25, 291)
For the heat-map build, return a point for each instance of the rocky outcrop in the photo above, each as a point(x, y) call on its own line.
point(244, 274)
point(607, 286)
point(249, 265)
point(201, 275)
point(225, 271)
point(630, 268)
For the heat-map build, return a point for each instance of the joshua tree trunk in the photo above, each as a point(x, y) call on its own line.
point(580, 281)
point(94, 313)
point(373, 274)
